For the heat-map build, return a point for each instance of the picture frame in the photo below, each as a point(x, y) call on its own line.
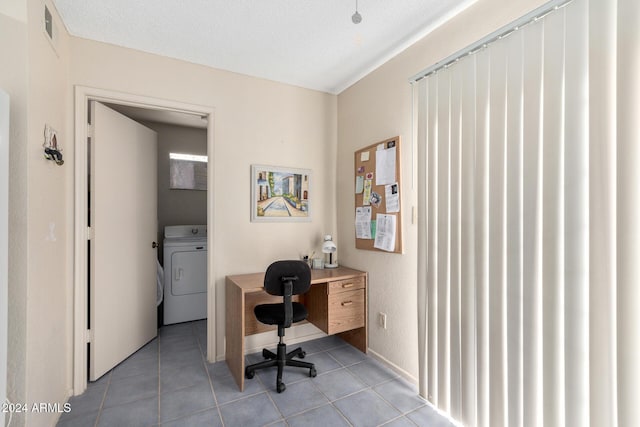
point(280, 194)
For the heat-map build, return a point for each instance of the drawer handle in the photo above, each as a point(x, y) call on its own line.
point(346, 303)
point(347, 285)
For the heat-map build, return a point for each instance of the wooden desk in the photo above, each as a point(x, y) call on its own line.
point(336, 301)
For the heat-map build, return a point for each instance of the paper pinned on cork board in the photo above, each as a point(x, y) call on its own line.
point(385, 232)
point(363, 222)
point(359, 184)
point(366, 195)
point(392, 197)
point(386, 166)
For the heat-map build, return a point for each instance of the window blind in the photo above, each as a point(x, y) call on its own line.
point(529, 193)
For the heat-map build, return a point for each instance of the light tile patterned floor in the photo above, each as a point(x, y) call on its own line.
point(169, 383)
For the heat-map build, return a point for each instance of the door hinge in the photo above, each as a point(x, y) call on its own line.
point(89, 233)
point(90, 131)
point(88, 336)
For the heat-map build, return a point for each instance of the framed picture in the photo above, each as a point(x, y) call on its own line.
point(280, 194)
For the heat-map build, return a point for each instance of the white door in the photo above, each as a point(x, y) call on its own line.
point(123, 219)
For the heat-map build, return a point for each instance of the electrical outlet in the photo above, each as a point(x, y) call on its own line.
point(382, 320)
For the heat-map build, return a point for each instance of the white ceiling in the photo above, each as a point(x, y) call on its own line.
point(307, 43)
point(159, 115)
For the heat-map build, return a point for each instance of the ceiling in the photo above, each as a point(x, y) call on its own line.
point(160, 115)
point(307, 43)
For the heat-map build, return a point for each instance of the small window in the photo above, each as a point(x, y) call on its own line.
point(187, 172)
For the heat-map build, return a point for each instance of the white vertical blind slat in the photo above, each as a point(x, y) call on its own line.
point(514, 179)
point(423, 296)
point(455, 192)
point(628, 232)
point(576, 251)
point(483, 71)
point(497, 237)
point(532, 225)
point(553, 221)
point(432, 260)
point(467, 254)
point(602, 214)
point(444, 239)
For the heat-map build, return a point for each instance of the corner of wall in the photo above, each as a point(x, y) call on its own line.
point(43, 327)
point(13, 79)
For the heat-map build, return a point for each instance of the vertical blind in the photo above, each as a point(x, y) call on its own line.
point(529, 247)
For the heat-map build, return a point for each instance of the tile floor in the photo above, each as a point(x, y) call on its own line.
point(169, 383)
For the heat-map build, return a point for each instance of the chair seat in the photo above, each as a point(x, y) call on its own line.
point(273, 314)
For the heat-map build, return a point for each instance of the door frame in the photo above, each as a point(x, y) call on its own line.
point(5, 118)
point(83, 95)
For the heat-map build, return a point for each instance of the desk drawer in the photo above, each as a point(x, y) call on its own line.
point(346, 285)
point(346, 311)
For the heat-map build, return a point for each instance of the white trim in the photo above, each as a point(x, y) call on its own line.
point(83, 95)
point(257, 343)
point(4, 242)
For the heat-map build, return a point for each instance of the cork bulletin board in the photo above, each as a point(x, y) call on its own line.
point(378, 209)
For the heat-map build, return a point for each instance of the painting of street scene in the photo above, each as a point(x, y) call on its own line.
point(280, 194)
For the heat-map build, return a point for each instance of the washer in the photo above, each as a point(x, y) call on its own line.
point(185, 273)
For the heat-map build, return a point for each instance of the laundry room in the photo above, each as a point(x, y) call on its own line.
point(182, 212)
point(177, 204)
point(181, 274)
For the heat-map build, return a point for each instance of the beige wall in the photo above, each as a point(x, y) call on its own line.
point(256, 121)
point(39, 246)
point(14, 9)
point(49, 235)
point(378, 107)
point(13, 79)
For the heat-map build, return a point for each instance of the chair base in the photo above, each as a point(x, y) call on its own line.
point(281, 359)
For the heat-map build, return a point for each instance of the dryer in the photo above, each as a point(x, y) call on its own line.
point(185, 273)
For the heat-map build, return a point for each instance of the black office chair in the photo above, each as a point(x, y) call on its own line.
point(284, 278)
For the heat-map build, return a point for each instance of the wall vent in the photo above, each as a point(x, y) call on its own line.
point(49, 27)
point(48, 22)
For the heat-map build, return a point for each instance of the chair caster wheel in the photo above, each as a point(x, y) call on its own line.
point(302, 354)
point(313, 373)
point(280, 387)
point(249, 374)
point(265, 353)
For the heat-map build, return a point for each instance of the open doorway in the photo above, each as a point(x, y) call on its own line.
point(149, 110)
point(181, 212)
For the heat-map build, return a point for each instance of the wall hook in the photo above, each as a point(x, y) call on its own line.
point(55, 155)
point(51, 149)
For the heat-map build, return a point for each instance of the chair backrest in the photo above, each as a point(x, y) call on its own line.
point(281, 272)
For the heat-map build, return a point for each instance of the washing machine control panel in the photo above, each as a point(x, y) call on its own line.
point(178, 231)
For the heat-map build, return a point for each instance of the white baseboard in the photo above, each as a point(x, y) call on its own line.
point(410, 378)
point(395, 368)
point(295, 335)
point(289, 342)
